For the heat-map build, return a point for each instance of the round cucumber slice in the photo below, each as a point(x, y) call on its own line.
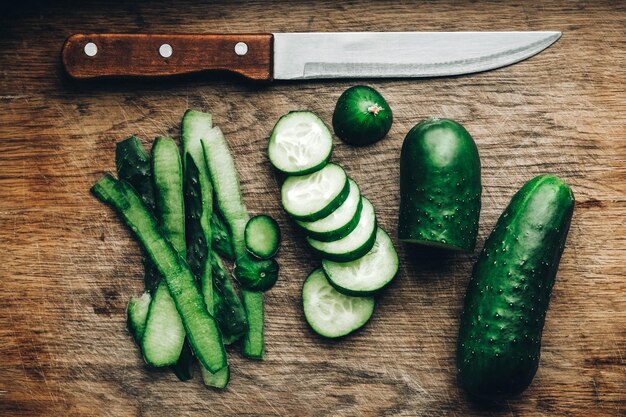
point(368, 274)
point(314, 196)
point(338, 223)
point(330, 313)
point(300, 143)
point(262, 236)
point(356, 244)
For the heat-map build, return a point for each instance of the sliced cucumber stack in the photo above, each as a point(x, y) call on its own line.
point(338, 223)
point(368, 274)
point(356, 244)
point(300, 143)
point(330, 313)
point(314, 196)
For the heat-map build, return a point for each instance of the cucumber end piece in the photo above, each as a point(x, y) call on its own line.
point(218, 379)
point(262, 236)
point(329, 313)
point(256, 275)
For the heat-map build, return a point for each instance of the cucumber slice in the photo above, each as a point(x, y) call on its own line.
point(262, 236)
point(314, 196)
point(217, 380)
point(136, 314)
point(355, 244)
point(227, 307)
point(221, 241)
point(368, 274)
point(202, 331)
point(134, 166)
point(253, 274)
point(253, 342)
point(338, 223)
point(164, 335)
point(330, 313)
point(300, 143)
point(228, 197)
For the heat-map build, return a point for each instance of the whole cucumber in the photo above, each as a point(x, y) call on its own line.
point(508, 294)
point(439, 186)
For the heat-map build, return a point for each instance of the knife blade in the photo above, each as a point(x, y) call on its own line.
point(293, 56)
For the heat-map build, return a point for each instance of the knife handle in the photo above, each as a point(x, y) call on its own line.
point(118, 55)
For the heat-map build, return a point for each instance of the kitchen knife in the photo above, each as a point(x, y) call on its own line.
point(292, 56)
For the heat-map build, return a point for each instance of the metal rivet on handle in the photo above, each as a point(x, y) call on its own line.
point(91, 49)
point(241, 48)
point(166, 50)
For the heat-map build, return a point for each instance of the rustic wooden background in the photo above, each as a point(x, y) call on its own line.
point(69, 267)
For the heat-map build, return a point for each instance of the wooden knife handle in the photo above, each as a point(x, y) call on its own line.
point(117, 55)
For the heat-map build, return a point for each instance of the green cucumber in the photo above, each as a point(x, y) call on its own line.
point(252, 274)
point(199, 215)
point(253, 345)
point(218, 380)
point(228, 197)
point(133, 166)
point(202, 331)
point(362, 116)
point(184, 366)
point(314, 196)
point(330, 313)
point(136, 314)
point(198, 194)
point(262, 236)
point(164, 334)
point(340, 222)
point(439, 186)
point(368, 274)
point(356, 244)
point(221, 240)
point(227, 307)
point(508, 295)
point(300, 143)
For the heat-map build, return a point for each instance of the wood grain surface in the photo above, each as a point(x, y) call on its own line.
point(69, 267)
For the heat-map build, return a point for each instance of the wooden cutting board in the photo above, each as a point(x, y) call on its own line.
point(69, 267)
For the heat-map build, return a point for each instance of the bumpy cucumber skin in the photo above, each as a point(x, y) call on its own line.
point(354, 122)
point(440, 186)
point(133, 166)
point(508, 294)
point(228, 309)
point(221, 240)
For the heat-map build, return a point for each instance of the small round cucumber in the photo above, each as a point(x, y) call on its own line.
point(440, 186)
point(338, 223)
point(368, 274)
point(355, 244)
point(262, 236)
point(300, 143)
point(330, 313)
point(314, 196)
point(362, 116)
